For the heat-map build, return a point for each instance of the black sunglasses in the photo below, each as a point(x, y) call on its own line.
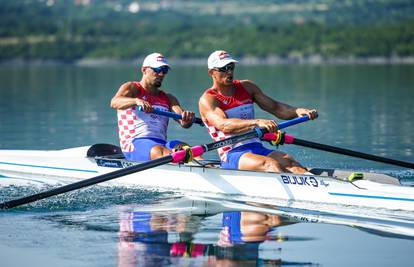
point(163, 69)
point(226, 68)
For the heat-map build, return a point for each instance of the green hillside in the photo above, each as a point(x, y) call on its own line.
point(78, 29)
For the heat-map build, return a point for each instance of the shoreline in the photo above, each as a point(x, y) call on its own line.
point(249, 61)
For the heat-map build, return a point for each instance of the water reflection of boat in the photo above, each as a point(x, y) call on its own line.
point(378, 222)
point(226, 238)
point(81, 166)
point(218, 232)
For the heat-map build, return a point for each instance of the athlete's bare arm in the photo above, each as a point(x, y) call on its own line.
point(211, 112)
point(280, 110)
point(126, 97)
point(187, 116)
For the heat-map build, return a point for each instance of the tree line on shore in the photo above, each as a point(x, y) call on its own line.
point(38, 32)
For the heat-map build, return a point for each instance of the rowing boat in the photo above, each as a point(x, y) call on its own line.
point(35, 167)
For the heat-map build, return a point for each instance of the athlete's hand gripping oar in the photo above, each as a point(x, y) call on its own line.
point(171, 115)
point(282, 138)
point(175, 157)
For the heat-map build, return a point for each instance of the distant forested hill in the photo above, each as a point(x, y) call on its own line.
point(69, 30)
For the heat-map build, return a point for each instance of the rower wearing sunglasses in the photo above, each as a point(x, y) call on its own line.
point(143, 134)
point(227, 109)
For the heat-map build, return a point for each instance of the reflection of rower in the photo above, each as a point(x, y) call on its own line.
point(188, 249)
point(226, 239)
point(243, 227)
point(145, 227)
point(140, 242)
point(149, 239)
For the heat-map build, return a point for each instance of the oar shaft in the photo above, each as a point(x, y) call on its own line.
point(349, 152)
point(172, 115)
point(288, 123)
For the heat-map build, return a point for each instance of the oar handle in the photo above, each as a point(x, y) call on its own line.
point(287, 138)
point(171, 115)
point(293, 122)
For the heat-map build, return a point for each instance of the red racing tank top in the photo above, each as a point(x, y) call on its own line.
point(133, 123)
point(240, 105)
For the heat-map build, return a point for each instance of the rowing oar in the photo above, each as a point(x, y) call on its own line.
point(288, 139)
point(175, 157)
point(171, 115)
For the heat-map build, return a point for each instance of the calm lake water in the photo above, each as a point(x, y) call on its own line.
point(364, 108)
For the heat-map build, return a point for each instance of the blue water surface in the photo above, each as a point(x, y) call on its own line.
point(362, 107)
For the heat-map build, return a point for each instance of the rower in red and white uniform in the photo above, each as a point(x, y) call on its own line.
point(227, 109)
point(142, 134)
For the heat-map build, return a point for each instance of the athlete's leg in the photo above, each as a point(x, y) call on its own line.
point(287, 162)
point(159, 151)
point(254, 156)
point(275, 162)
point(147, 149)
point(254, 162)
point(255, 226)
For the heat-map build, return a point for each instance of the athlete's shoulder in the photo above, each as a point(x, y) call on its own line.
point(209, 98)
point(131, 85)
point(247, 83)
point(128, 89)
point(249, 86)
point(162, 92)
point(168, 95)
point(209, 93)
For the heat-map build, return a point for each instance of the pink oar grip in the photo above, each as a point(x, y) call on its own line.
point(179, 156)
point(289, 139)
point(197, 151)
point(269, 136)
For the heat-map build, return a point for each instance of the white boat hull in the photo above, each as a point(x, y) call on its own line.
point(28, 167)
